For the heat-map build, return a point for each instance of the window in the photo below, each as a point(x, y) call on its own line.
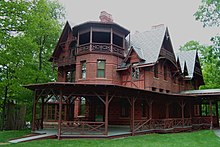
point(165, 72)
point(161, 90)
point(83, 69)
point(156, 70)
point(82, 106)
point(135, 72)
point(117, 40)
point(101, 37)
point(154, 89)
point(72, 48)
point(51, 112)
point(143, 108)
point(84, 38)
point(70, 76)
point(124, 108)
point(100, 68)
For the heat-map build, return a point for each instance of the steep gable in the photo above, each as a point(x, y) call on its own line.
point(167, 48)
point(148, 44)
point(61, 41)
point(191, 59)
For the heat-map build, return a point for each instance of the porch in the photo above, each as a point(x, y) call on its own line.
point(85, 129)
point(138, 111)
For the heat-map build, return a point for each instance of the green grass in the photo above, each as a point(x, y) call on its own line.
point(194, 139)
point(5, 136)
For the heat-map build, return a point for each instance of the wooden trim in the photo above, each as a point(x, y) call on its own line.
point(211, 117)
point(34, 111)
point(106, 113)
point(60, 116)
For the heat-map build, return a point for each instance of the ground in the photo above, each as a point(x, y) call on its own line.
point(193, 139)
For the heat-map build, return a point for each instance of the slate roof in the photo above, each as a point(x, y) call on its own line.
point(148, 44)
point(189, 57)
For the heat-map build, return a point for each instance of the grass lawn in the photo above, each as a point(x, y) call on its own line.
point(202, 138)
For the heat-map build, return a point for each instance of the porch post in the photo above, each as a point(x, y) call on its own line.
point(216, 107)
point(150, 103)
point(167, 110)
point(60, 115)
point(132, 115)
point(182, 110)
point(42, 112)
point(211, 118)
point(34, 111)
point(106, 113)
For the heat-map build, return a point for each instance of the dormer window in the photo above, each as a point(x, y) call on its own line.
point(135, 72)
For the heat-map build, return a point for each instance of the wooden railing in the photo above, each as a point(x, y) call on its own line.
point(117, 49)
point(64, 61)
point(161, 124)
point(167, 54)
point(83, 127)
point(100, 47)
point(201, 121)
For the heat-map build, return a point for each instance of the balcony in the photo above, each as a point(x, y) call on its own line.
point(100, 47)
point(64, 61)
point(167, 54)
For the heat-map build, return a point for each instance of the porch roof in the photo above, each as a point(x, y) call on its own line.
point(100, 89)
point(203, 93)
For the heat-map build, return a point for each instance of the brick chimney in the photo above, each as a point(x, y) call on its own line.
point(105, 17)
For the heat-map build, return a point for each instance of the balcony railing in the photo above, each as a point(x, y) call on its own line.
point(167, 54)
point(100, 47)
point(64, 61)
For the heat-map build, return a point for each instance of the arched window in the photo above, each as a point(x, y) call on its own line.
point(156, 70)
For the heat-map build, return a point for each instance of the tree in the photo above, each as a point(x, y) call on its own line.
point(29, 31)
point(209, 13)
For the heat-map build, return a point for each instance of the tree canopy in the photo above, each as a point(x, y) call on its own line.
point(209, 14)
point(29, 31)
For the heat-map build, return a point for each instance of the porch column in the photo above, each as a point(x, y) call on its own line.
point(150, 103)
point(182, 110)
point(167, 110)
point(106, 113)
point(60, 115)
point(132, 115)
point(34, 111)
point(211, 118)
point(42, 112)
point(216, 107)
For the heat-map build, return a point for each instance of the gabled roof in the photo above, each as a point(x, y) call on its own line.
point(63, 37)
point(148, 44)
point(189, 58)
point(88, 24)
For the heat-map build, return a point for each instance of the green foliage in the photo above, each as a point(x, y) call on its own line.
point(209, 13)
point(29, 31)
point(192, 45)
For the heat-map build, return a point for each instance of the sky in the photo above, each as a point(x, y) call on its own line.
point(140, 15)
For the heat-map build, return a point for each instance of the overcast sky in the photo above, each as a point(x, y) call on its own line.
point(140, 15)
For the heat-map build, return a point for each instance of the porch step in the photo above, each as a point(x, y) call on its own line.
point(41, 136)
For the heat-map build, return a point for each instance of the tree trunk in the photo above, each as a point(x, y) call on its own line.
point(4, 102)
point(4, 108)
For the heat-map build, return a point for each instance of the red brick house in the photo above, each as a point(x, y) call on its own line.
point(111, 83)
